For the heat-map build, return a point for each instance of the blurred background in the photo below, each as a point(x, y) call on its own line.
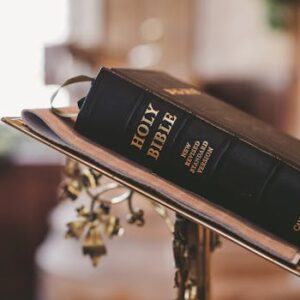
point(246, 52)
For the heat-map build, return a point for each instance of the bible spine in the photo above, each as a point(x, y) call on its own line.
point(194, 154)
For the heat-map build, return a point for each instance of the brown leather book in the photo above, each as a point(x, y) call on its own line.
point(199, 143)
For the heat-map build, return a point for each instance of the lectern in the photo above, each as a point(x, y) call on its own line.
point(195, 235)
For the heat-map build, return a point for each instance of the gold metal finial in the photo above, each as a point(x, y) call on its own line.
point(93, 244)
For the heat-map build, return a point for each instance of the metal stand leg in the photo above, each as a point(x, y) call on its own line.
point(193, 245)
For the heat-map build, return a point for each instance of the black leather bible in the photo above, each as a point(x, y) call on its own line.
point(198, 142)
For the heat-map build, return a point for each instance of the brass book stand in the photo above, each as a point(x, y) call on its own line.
point(194, 238)
point(192, 243)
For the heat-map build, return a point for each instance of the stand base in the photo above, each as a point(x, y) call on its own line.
point(193, 245)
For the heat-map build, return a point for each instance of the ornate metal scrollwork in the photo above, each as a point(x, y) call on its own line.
point(96, 220)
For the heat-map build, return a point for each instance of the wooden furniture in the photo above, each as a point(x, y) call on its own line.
point(28, 192)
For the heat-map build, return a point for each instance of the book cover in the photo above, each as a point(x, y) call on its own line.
point(199, 143)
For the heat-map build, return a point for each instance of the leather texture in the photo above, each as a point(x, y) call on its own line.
point(220, 114)
point(232, 159)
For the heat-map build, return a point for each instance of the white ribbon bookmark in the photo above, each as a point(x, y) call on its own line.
point(76, 79)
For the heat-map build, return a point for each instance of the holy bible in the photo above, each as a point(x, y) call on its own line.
point(199, 143)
